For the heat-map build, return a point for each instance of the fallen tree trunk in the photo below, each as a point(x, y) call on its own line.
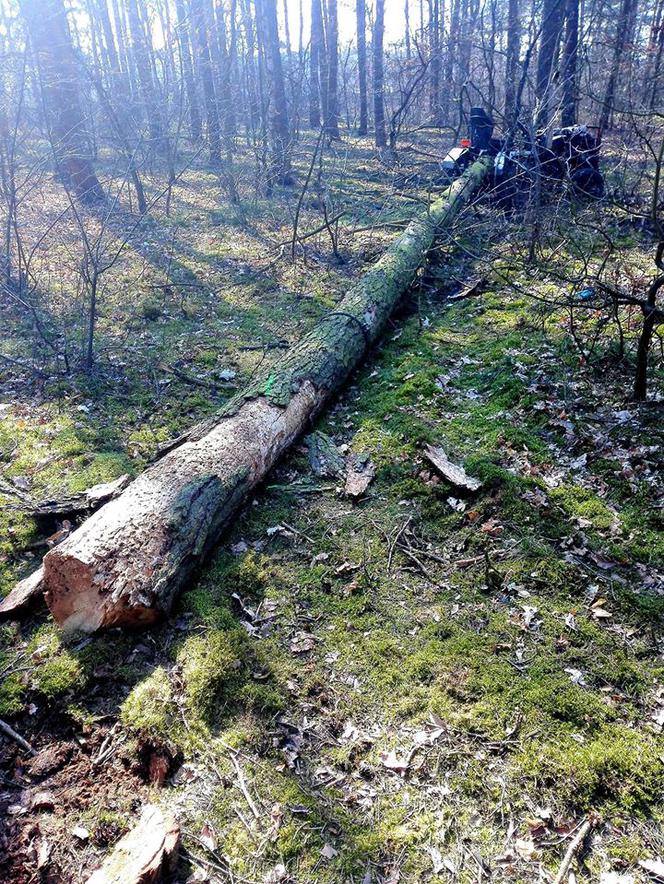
point(126, 563)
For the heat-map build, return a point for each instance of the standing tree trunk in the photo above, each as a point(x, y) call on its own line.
point(184, 42)
point(332, 103)
point(51, 44)
point(361, 16)
point(207, 78)
point(448, 97)
point(552, 22)
point(125, 565)
point(316, 54)
point(378, 80)
point(434, 37)
point(406, 13)
point(624, 21)
point(655, 47)
point(570, 65)
point(512, 61)
point(279, 129)
point(142, 52)
point(100, 10)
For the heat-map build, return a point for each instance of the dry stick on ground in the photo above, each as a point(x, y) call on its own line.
point(17, 738)
point(574, 848)
point(125, 565)
point(242, 785)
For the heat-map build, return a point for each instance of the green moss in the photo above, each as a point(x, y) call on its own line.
point(579, 502)
point(210, 670)
point(150, 707)
point(12, 692)
point(57, 671)
point(151, 309)
point(617, 766)
point(58, 676)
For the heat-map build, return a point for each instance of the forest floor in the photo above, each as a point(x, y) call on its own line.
point(425, 684)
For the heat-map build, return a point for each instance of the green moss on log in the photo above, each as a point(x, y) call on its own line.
point(330, 351)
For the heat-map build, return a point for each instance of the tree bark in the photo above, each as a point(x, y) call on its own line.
point(361, 16)
point(378, 78)
point(552, 22)
point(125, 565)
point(332, 103)
point(280, 134)
point(570, 65)
point(51, 44)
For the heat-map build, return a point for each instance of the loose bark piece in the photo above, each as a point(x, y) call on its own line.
point(85, 501)
point(145, 853)
point(126, 563)
point(23, 594)
point(361, 472)
point(454, 473)
point(324, 457)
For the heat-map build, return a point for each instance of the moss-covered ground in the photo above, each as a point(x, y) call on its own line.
point(423, 685)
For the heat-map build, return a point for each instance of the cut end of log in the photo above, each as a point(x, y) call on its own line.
point(80, 602)
point(23, 594)
point(145, 854)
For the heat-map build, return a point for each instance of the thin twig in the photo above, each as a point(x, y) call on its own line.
point(242, 785)
point(17, 738)
point(574, 848)
point(394, 542)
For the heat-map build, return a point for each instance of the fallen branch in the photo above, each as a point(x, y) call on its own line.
point(82, 502)
point(23, 594)
point(574, 848)
point(17, 738)
point(242, 785)
point(125, 565)
point(196, 382)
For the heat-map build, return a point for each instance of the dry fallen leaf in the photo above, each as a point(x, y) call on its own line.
point(525, 847)
point(392, 762)
point(208, 837)
point(492, 527)
point(81, 833)
point(44, 853)
point(576, 676)
point(302, 642)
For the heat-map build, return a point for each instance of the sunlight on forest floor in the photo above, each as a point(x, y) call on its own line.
point(417, 684)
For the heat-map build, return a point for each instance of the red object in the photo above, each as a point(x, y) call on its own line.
point(465, 142)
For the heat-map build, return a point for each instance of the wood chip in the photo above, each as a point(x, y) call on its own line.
point(454, 473)
point(25, 592)
point(360, 473)
point(145, 853)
